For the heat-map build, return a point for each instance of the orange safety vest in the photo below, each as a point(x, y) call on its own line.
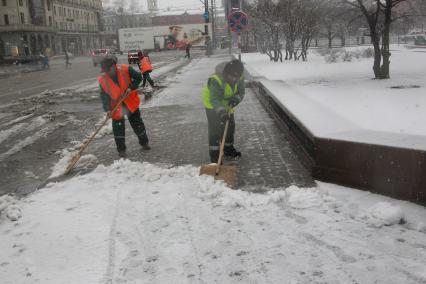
point(145, 64)
point(110, 87)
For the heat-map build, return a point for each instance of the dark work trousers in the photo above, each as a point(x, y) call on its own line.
point(147, 77)
point(216, 128)
point(119, 130)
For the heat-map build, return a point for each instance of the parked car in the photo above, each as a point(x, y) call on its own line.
point(132, 56)
point(98, 55)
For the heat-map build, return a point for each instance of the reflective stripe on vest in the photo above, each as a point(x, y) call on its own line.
point(115, 91)
point(228, 93)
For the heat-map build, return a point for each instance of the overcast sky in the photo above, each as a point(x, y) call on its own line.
point(183, 3)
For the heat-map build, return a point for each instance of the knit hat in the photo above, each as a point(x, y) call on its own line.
point(234, 67)
point(107, 62)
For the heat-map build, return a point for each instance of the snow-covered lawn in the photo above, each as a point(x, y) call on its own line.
point(135, 222)
point(342, 101)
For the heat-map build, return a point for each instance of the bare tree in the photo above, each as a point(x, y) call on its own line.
point(308, 25)
point(292, 21)
point(269, 26)
point(378, 14)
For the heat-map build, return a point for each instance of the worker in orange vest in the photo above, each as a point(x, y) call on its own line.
point(146, 67)
point(115, 81)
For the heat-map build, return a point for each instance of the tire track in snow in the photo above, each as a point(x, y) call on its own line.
point(191, 239)
point(109, 274)
point(30, 140)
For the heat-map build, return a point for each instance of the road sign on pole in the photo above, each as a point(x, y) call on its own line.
point(238, 21)
point(206, 15)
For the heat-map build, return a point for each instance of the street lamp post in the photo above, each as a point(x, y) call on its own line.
point(206, 17)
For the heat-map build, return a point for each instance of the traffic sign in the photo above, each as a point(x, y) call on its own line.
point(206, 16)
point(238, 21)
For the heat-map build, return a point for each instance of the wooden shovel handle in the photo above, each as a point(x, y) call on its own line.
point(222, 146)
point(77, 156)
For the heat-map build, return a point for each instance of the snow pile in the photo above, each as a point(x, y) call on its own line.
point(66, 155)
point(136, 222)
point(9, 208)
point(384, 214)
point(303, 198)
point(345, 55)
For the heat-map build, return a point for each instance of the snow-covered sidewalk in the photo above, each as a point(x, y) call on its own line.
point(134, 222)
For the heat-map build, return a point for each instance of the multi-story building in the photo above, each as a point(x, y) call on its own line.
point(31, 27)
point(26, 27)
point(78, 24)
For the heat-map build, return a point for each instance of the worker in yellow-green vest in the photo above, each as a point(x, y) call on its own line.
point(224, 91)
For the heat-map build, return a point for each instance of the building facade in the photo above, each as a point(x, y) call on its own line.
point(32, 27)
point(26, 27)
point(79, 25)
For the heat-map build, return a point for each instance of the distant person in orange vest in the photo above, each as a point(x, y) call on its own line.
point(146, 67)
point(114, 82)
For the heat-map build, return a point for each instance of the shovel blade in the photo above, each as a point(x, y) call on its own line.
point(228, 174)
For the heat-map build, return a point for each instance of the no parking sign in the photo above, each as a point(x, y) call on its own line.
point(238, 21)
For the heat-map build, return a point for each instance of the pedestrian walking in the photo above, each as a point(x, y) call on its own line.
point(44, 59)
point(115, 81)
point(67, 59)
point(146, 68)
point(187, 50)
point(224, 91)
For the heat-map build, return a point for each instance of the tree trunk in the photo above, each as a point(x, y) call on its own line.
point(330, 39)
point(375, 39)
point(385, 42)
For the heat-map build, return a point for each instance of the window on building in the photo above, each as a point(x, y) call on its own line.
point(4, 2)
point(48, 5)
point(21, 3)
point(50, 21)
point(22, 16)
point(6, 19)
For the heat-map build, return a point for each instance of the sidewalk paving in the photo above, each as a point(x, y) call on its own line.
point(177, 127)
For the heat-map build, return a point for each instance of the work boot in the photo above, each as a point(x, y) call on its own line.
point(214, 156)
point(232, 152)
point(146, 147)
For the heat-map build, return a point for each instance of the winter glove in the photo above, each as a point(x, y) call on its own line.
point(223, 115)
point(233, 102)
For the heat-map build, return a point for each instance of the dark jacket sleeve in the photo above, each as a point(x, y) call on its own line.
point(106, 99)
point(216, 95)
point(241, 91)
point(136, 78)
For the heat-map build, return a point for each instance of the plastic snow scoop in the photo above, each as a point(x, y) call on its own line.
point(77, 156)
point(221, 172)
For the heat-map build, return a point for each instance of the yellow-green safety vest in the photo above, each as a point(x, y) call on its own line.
point(228, 94)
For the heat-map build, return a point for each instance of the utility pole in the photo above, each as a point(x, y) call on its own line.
point(228, 10)
point(213, 4)
point(206, 17)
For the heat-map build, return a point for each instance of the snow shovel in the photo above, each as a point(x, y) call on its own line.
point(221, 172)
point(77, 156)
